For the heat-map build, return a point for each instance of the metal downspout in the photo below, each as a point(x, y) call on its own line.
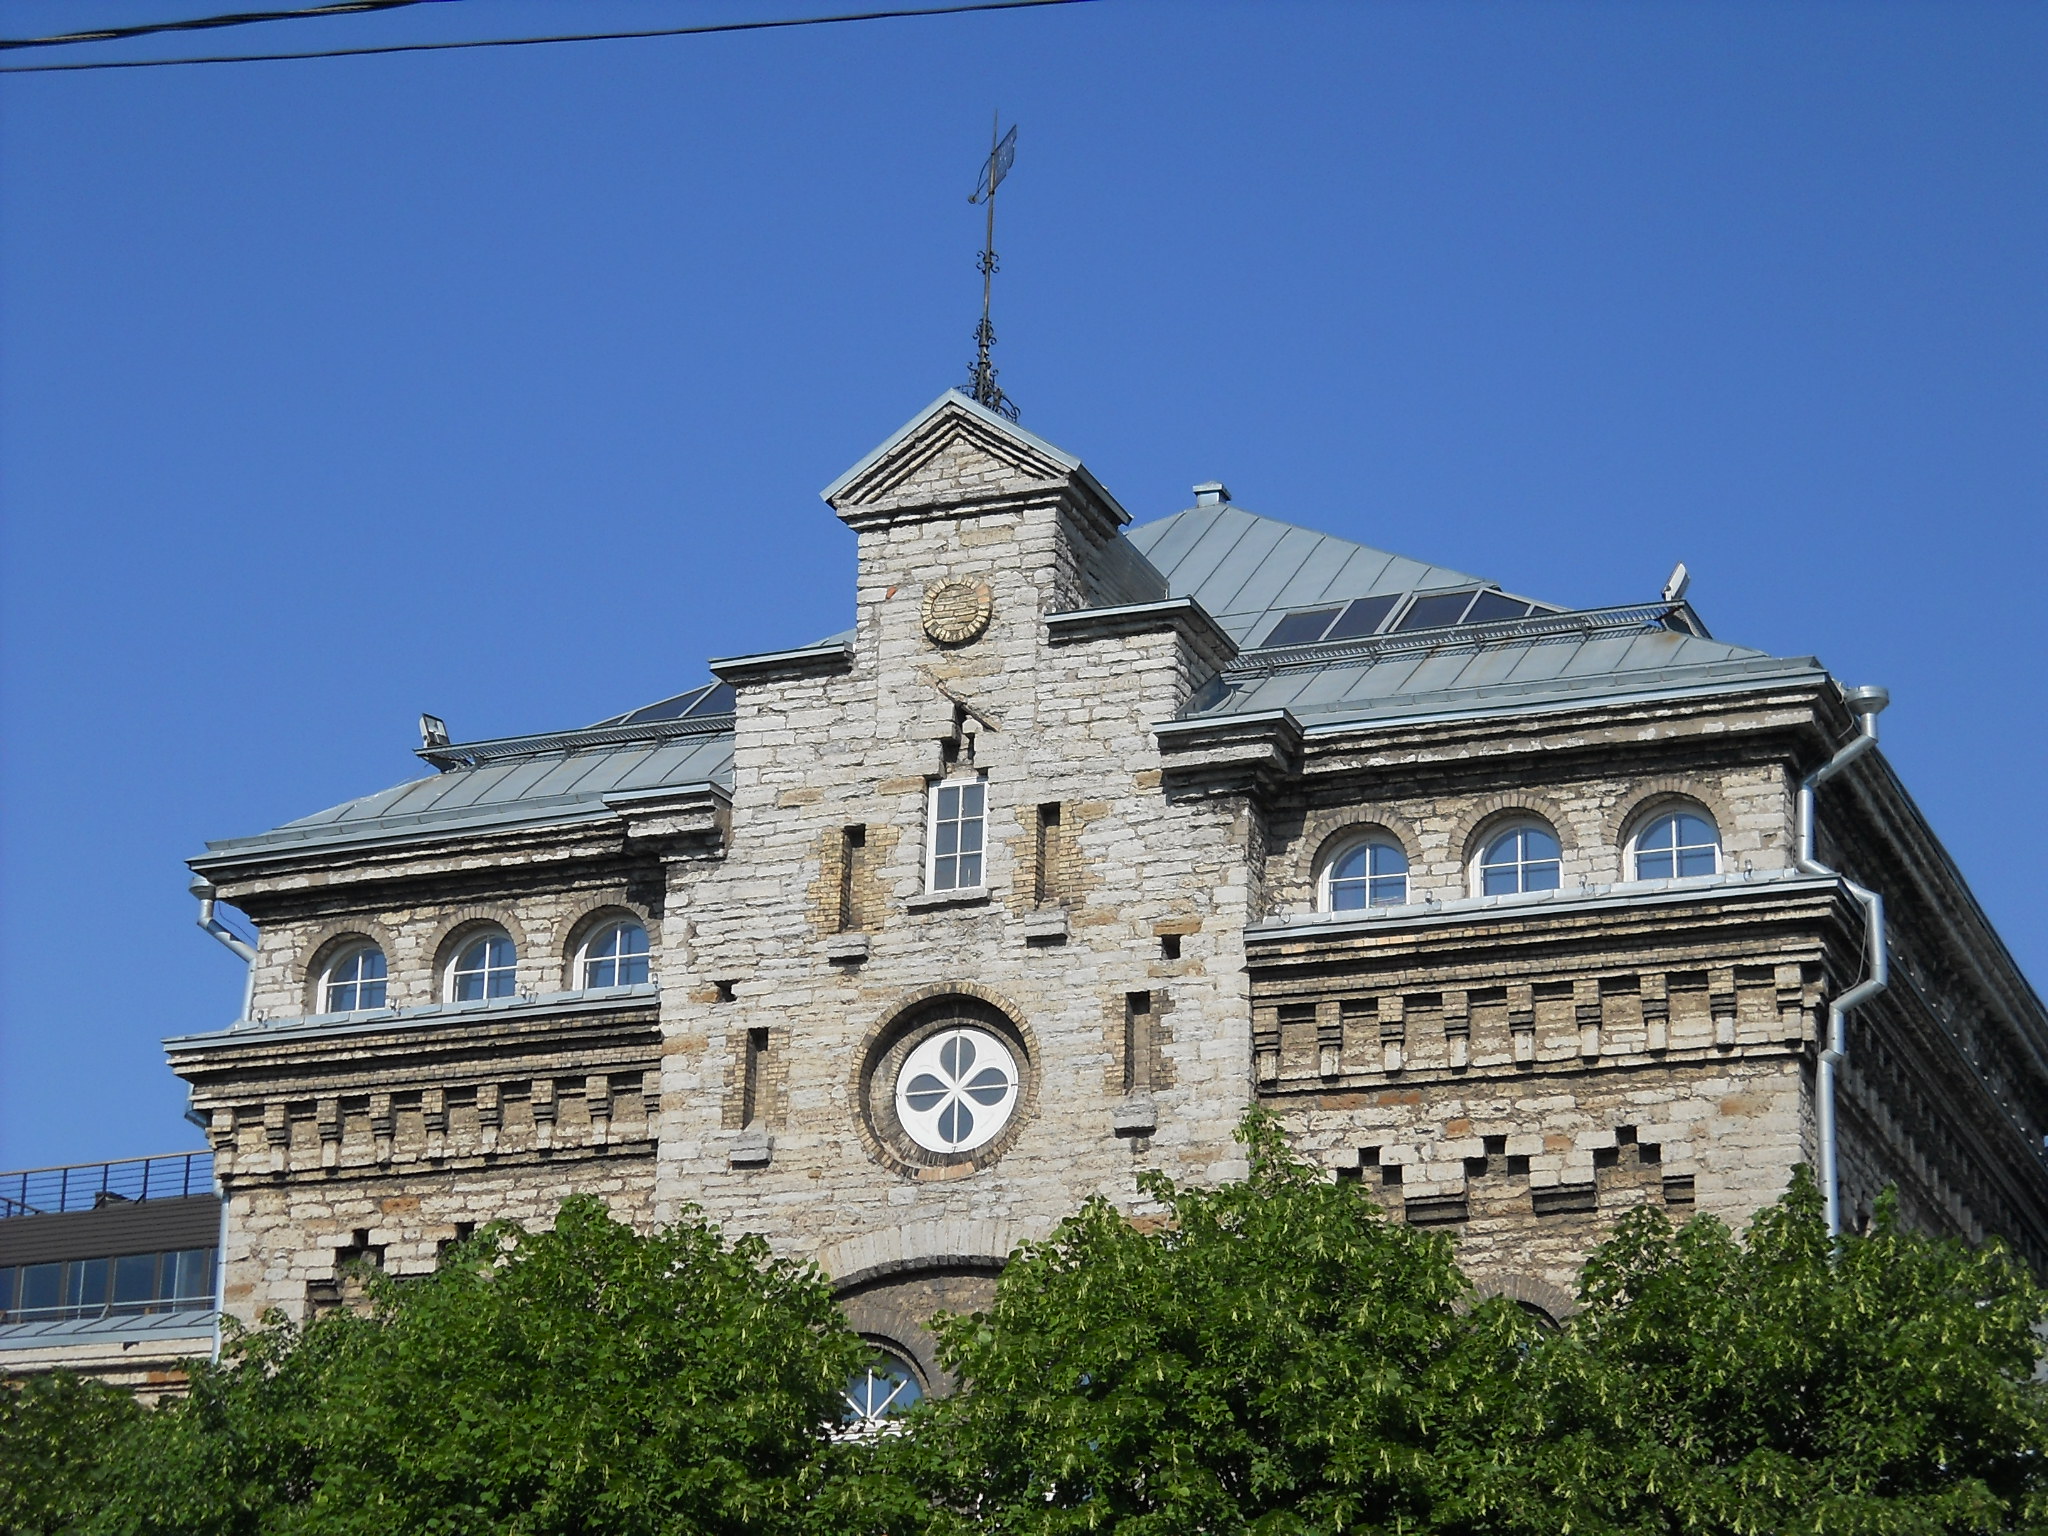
point(203, 889)
point(1865, 703)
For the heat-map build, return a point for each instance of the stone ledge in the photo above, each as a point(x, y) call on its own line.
point(1048, 926)
point(846, 948)
point(970, 896)
point(1136, 1116)
point(754, 1149)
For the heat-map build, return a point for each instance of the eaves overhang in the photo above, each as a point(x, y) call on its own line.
point(1182, 615)
point(429, 830)
point(804, 661)
point(549, 1005)
point(1465, 911)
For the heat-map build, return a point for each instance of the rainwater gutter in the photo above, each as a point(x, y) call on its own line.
point(246, 952)
point(1864, 703)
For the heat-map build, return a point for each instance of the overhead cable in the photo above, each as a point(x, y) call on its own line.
point(560, 37)
point(207, 23)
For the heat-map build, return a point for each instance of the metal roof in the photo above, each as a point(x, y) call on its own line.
point(1247, 571)
point(1250, 571)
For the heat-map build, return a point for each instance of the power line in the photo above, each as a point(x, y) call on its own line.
point(207, 23)
point(563, 37)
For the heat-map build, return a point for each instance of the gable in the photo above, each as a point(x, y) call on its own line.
point(953, 450)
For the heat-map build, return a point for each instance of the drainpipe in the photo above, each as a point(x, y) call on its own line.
point(1864, 703)
point(246, 952)
point(203, 889)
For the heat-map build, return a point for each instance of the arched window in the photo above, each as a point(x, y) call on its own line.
point(1525, 857)
point(1675, 844)
point(614, 956)
point(886, 1388)
point(482, 968)
point(354, 980)
point(1372, 872)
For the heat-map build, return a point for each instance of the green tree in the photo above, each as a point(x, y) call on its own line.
point(1782, 1382)
point(59, 1440)
point(1274, 1355)
point(584, 1379)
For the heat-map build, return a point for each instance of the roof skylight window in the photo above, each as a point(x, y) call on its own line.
point(1303, 627)
point(1491, 607)
point(1435, 610)
point(1363, 617)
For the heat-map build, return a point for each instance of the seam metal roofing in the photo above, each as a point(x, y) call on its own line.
point(1244, 569)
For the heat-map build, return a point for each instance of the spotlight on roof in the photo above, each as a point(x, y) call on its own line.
point(1681, 578)
point(1867, 700)
point(433, 731)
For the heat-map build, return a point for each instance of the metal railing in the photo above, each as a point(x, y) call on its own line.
point(89, 1186)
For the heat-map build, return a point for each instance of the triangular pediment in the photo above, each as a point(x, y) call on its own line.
point(953, 451)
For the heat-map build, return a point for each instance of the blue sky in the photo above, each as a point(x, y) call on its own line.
point(501, 384)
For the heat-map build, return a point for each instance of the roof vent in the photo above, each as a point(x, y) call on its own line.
point(1212, 493)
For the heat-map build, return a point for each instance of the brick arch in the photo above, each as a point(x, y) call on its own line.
point(947, 1242)
point(604, 907)
point(1481, 819)
point(874, 1045)
point(1324, 831)
point(328, 940)
point(1651, 795)
point(1553, 1301)
point(457, 926)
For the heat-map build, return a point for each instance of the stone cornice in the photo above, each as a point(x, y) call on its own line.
point(1230, 753)
point(776, 666)
point(449, 1024)
point(1180, 615)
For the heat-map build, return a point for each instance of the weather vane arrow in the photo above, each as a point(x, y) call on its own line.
point(981, 378)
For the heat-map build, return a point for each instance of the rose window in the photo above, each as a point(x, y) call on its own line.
point(957, 1090)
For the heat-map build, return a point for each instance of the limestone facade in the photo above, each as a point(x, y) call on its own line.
point(1145, 937)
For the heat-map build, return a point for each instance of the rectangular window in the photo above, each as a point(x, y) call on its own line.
point(957, 810)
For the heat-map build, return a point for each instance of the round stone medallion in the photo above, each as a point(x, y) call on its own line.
point(956, 612)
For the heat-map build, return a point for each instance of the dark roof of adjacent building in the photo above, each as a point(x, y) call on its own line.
point(1338, 633)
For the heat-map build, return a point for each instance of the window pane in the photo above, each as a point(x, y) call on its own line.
point(1363, 617)
point(949, 802)
point(601, 973)
point(370, 995)
point(41, 1286)
point(92, 1282)
point(1301, 628)
point(1388, 860)
point(1346, 895)
point(1653, 865)
point(632, 939)
point(970, 870)
point(500, 984)
point(1500, 881)
point(970, 799)
point(1539, 844)
point(134, 1279)
point(970, 836)
point(469, 987)
point(942, 873)
point(474, 956)
point(1545, 876)
point(1490, 606)
point(1696, 861)
point(1434, 611)
point(501, 951)
point(1350, 864)
point(1504, 849)
point(195, 1275)
point(1389, 890)
point(948, 834)
point(633, 970)
point(1658, 834)
point(341, 997)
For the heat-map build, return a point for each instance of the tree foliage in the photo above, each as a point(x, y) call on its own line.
point(1278, 1356)
point(1271, 1356)
point(584, 1379)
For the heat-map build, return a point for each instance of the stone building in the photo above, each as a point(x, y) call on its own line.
point(895, 946)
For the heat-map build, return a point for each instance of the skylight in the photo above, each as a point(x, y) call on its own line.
point(1369, 615)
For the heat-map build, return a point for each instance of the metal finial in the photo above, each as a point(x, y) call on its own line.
point(981, 377)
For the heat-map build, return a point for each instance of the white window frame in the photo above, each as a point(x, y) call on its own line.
point(1632, 854)
point(934, 793)
point(468, 943)
point(1326, 897)
point(604, 930)
point(329, 980)
point(1518, 824)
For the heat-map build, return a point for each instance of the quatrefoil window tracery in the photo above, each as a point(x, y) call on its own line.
point(956, 1090)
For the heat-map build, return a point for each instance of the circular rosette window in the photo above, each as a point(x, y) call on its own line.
point(957, 1090)
point(945, 1087)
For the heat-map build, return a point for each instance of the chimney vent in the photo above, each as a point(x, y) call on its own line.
point(1212, 493)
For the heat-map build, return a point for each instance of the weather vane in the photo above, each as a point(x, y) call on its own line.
point(981, 380)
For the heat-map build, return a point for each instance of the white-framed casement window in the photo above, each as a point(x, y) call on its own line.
point(354, 980)
point(615, 956)
point(953, 840)
point(1676, 844)
point(484, 967)
point(1371, 872)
